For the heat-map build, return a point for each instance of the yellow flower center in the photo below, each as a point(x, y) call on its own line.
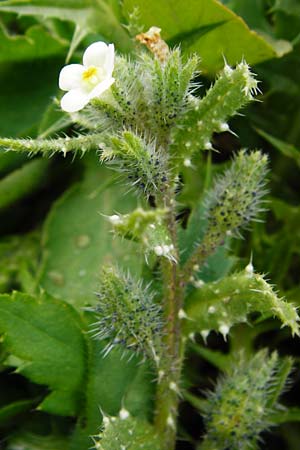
point(90, 74)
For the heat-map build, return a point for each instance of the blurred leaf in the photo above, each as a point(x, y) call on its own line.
point(17, 253)
point(286, 149)
point(253, 12)
point(215, 357)
point(283, 371)
point(36, 43)
point(288, 6)
point(30, 441)
point(45, 339)
point(23, 181)
point(89, 16)
point(287, 415)
point(206, 27)
point(77, 238)
point(29, 87)
point(8, 412)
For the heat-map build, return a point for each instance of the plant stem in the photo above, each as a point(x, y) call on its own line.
point(167, 399)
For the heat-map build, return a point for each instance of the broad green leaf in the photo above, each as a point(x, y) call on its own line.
point(220, 305)
point(24, 181)
point(206, 27)
point(286, 149)
point(47, 345)
point(129, 433)
point(77, 238)
point(36, 43)
point(112, 382)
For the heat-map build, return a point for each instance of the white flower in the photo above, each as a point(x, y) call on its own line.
point(84, 82)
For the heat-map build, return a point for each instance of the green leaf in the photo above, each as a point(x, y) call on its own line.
point(284, 369)
point(36, 43)
point(10, 411)
point(206, 27)
point(76, 238)
point(287, 415)
point(286, 149)
point(47, 345)
point(18, 255)
point(22, 182)
point(112, 381)
point(129, 433)
point(215, 357)
point(30, 441)
point(217, 265)
point(89, 16)
point(220, 305)
point(28, 90)
point(287, 6)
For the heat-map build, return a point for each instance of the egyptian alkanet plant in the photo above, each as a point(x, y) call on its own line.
point(148, 300)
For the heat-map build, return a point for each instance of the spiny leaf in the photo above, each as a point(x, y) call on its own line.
point(220, 305)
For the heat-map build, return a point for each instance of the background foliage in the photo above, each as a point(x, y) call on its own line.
point(53, 237)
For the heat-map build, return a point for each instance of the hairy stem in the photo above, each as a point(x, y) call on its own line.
point(167, 399)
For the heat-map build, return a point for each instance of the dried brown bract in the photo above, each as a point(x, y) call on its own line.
point(155, 43)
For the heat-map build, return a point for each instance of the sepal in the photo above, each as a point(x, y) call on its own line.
point(147, 228)
point(239, 408)
point(220, 305)
point(126, 432)
point(232, 91)
point(127, 315)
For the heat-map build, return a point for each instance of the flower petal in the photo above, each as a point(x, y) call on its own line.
point(101, 87)
point(74, 100)
point(70, 77)
point(95, 54)
point(109, 63)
